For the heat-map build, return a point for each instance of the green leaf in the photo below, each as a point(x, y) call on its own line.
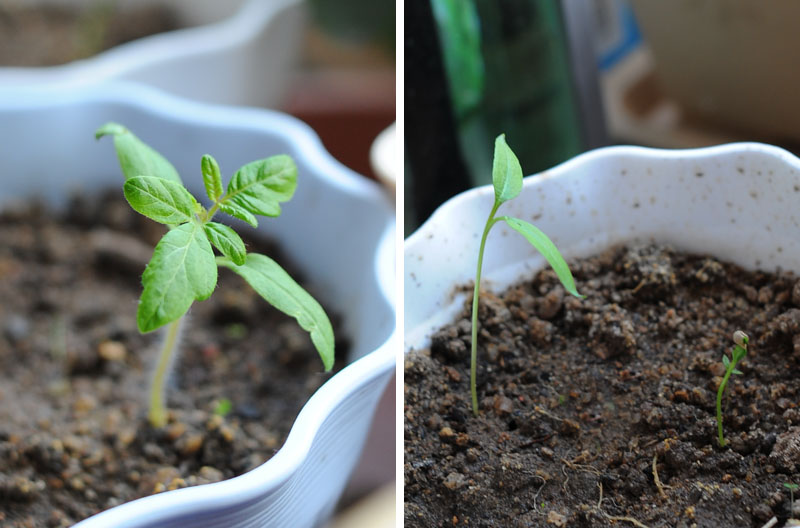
point(135, 157)
point(506, 171)
point(548, 250)
point(738, 372)
point(725, 361)
point(181, 271)
point(223, 407)
point(226, 241)
point(161, 200)
point(212, 179)
point(238, 212)
point(260, 186)
point(281, 291)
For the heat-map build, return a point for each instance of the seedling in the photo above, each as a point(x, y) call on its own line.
point(507, 182)
point(792, 488)
point(183, 268)
point(739, 351)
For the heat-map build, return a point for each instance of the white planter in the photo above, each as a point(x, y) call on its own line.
point(338, 229)
point(239, 52)
point(737, 202)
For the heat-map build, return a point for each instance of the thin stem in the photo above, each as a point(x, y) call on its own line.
point(475, 294)
point(158, 412)
point(739, 351)
point(720, 391)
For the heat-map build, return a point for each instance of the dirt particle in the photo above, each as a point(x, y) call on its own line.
point(556, 519)
point(175, 430)
point(191, 444)
point(112, 351)
point(454, 481)
point(502, 405)
point(453, 374)
point(786, 452)
point(551, 303)
point(446, 433)
point(796, 294)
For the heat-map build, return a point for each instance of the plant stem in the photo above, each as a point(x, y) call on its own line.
point(721, 389)
point(728, 372)
point(158, 412)
point(475, 294)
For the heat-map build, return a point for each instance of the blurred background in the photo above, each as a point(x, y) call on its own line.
point(331, 63)
point(560, 77)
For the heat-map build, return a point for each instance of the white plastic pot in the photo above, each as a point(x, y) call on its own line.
point(237, 52)
point(338, 229)
point(737, 202)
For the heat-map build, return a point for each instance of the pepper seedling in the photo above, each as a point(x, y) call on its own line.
point(183, 268)
point(507, 183)
point(740, 340)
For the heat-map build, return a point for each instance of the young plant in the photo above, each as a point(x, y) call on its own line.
point(792, 488)
point(507, 182)
point(739, 351)
point(183, 268)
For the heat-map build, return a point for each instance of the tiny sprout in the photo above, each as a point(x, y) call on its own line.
point(507, 182)
point(223, 407)
point(741, 341)
point(792, 488)
point(183, 268)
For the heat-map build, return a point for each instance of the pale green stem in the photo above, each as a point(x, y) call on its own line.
point(158, 412)
point(475, 294)
point(720, 391)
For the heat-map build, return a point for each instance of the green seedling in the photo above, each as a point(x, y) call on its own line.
point(792, 488)
point(739, 351)
point(507, 182)
point(183, 268)
point(223, 407)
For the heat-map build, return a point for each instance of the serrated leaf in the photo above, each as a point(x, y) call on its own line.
point(212, 179)
point(181, 271)
point(161, 200)
point(259, 187)
point(281, 291)
point(506, 171)
point(226, 241)
point(239, 212)
point(135, 157)
point(548, 250)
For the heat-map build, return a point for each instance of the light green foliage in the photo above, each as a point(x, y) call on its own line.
point(260, 186)
point(507, 182)
point(183, 268)
point(181, 271)
point(223, 407)
point(136, 158)
point(281, 291)
point(212, 179)
point(741, 341)
point(548, 250)
point(226, 241)
point(164, 201)
point(506, 171)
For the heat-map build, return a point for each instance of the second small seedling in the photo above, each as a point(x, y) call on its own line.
point(507, 182)
point(739, 351)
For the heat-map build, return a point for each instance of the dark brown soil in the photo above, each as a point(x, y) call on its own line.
point(49, 35)
point(74, 370)
point(582, 399)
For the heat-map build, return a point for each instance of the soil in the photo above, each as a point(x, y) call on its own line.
point(48, 35)
point(74, 370)
point(602, 411)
